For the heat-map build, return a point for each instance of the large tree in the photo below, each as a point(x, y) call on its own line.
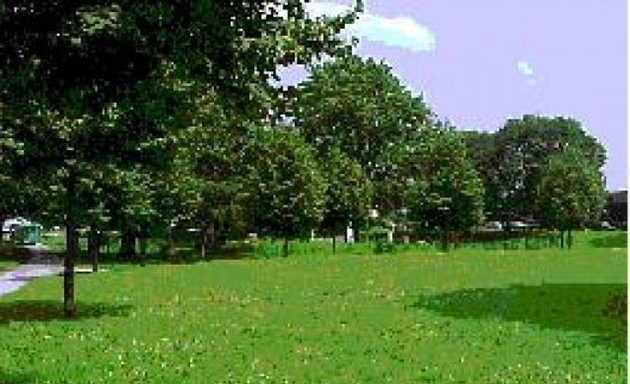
point(445, 192)
point(348, 193)
point(287, 194)
point(88, 85)
point(115, 81)
point(360, 107)
point(210, 180)
point(480, 147)
point(572, 193)
point(522, 149)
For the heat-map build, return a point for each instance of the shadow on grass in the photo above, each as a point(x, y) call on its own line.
point(597, 309)
point(615, 240)
point(48, 310)
point(183, 256)
point(12, 378)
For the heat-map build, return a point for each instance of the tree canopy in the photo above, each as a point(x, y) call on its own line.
point(168, 110)
point(511, 160)
point(360, 107)
point(446, 191)
point(572, 191)
point(348, 192)
point(287, 195)
point(114, 83)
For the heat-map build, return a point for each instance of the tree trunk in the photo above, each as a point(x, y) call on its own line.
point(285, 248)
point(505, 237)
point(209, 239)
point(212, 236)
point(128, 244)
point(562, 239)
point(203, 241)
point(220, 236)
point(94, 246)
point(444, 236)
point(106, 242)
point(72, 247)
point(527, 231)
point(334, 244)
point(569, 239)
point(143, 243)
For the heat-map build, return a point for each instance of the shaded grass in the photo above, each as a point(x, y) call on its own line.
point(610, 240)
point(469, 316)
point(17, 378)
point(573, 307)
point(7, 265)
point(49, 310)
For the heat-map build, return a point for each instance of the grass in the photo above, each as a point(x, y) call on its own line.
point(469, 316)
point(7, 265)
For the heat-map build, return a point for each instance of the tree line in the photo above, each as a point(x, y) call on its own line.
point(155, 113)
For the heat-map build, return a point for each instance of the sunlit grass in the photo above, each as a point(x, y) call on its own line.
point(469, 316)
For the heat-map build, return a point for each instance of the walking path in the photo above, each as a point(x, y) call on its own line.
point(13, 280)
point(39, 264)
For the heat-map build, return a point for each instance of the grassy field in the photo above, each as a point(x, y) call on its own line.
point(469, 316)
point(6, 265)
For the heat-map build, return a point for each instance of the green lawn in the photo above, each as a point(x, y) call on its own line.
point(471, 316)
point(7, 265)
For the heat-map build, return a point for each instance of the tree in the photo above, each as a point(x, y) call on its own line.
point(211, 177)
point(348, 193)
point(360, 107)
point(88, 85)
point(287, 193)
point(522, 149)
point(480, 147)
point(572, 192)
point(446, 193)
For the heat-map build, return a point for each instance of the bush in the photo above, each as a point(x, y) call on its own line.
point(384, 246)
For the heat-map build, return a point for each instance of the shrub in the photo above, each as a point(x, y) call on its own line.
point(384, 246)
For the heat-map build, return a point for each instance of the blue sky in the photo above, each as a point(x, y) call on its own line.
point(478, 63)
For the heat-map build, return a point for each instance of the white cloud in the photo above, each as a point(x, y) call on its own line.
point(400, 31)
point(325, 8)
point(525, 68)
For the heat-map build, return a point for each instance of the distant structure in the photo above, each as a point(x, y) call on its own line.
point(617, 208)
point(22, 231)
point(9, 226)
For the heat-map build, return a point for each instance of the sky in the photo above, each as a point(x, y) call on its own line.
point(478, 63)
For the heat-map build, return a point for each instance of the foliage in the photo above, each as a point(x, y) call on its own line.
point(360, 107)
point(118, 82)
point(446, 192)
point(207, 185)
point(287, 193)
point(383, 246)
point(572, 192)
point(480, 147)
point(522, 149)
point(348, 192)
